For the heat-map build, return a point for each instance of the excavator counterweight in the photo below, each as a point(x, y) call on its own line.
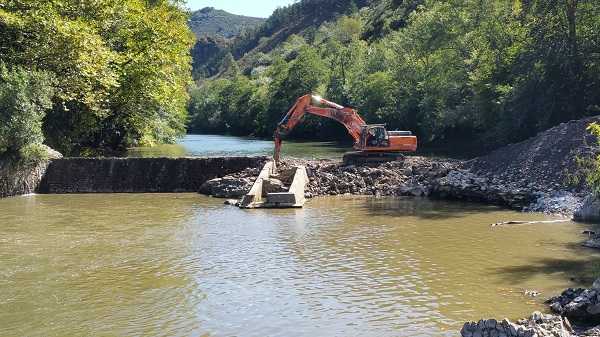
point(372, 142)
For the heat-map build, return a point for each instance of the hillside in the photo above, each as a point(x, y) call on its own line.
point(486, 73)
point(215, 29)
point(215, 22)
point(303, 19)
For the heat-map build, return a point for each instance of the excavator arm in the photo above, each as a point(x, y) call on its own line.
point(349, 118)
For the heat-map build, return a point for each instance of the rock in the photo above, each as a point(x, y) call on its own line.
point(593, 309)
point(538, 324)
point(226, 187)
point(596, 284)
point(589, 210)
point(52, 153)
point(537, 316)
point(414, 176)
point(556, 307)
point(232, 202)
point(273, 185)
point(286, 174)
point(578, 305)
point(559, 202)
point(592, 242)
point(17, 178)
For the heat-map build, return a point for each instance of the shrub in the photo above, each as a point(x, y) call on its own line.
point(592, 167)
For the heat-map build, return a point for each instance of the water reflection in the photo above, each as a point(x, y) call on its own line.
point(217, 145)
point(184, 264)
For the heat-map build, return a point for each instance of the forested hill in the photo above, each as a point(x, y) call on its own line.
point(490, 72)
point(215, 30)
point(215, 22)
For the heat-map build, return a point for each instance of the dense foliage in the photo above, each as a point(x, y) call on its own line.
point(25, 96)
point(493, 71)
point(590, 167)
point(120, 69)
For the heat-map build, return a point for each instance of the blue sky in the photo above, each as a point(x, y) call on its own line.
point(257, 8)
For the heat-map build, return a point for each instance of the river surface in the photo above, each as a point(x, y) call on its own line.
point(187, 265)
point(217, 145)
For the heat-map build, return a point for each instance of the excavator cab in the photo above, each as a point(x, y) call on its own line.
point(374, 135)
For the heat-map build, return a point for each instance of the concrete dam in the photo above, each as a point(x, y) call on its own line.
point(137, 175)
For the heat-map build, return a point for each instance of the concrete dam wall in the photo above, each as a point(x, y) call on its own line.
point(138, 175)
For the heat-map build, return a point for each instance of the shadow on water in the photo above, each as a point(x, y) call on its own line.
point(423, 208)
point(582, 271)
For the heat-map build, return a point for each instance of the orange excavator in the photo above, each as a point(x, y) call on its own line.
point(372, 142)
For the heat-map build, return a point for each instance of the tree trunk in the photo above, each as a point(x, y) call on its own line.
point(571, 11)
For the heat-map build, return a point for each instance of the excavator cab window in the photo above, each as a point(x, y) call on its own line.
point(377, 136)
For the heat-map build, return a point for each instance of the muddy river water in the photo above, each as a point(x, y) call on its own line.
point(187, 265)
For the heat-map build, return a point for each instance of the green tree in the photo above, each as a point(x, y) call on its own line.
point(122, 68)
point(306, 75)
point(25, 96)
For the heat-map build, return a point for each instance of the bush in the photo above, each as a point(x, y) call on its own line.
point(592, 167)
point(25, 96)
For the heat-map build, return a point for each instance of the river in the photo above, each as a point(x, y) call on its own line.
point(187, 265)
point(217, 145)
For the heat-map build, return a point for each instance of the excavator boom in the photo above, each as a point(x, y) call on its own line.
point(346, 116)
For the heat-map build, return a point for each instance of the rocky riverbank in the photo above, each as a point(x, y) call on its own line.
point(414, 176)
point(576, 313)
point(537, 175)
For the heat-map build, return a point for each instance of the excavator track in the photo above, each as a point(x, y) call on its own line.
point(358, 157)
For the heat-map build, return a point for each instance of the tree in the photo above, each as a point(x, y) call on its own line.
point(122, 68)
point(25, 96)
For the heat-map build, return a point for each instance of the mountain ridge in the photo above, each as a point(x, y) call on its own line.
point(210, 21)
point(215, 30)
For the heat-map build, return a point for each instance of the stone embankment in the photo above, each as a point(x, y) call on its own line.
point(18, 177)
point(413, 176)
point(139, 175)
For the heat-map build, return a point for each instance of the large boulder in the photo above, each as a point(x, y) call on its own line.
point(226, 187)
point(579, 305)
point(273, 185)
point(589, 211)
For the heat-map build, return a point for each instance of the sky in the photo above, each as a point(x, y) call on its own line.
point(257, 8)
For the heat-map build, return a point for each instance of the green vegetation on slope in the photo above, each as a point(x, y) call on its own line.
point(215, 30)
point(116, 73)
point(493, 72)
point(210, 21)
